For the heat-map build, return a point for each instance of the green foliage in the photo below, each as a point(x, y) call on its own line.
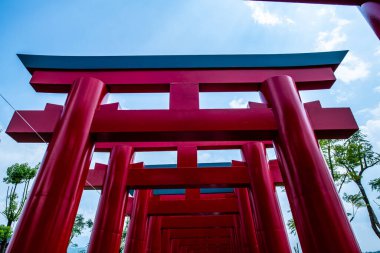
point(5, 233)
point(20, 173)
point(356, 201)
point(292, 226)
point(328, 150)
point(17, 174)
point(124, 235)
point(356, 155)
point(375, 184)
point(80, 224)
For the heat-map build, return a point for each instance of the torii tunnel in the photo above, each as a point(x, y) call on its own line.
point(185, 207)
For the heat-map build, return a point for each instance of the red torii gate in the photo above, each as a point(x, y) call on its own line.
point(262, 184)
point(282, 118)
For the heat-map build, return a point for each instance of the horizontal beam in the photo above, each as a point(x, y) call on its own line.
point(195, 241)
point(179, 178)
point(193, 207)
point(199, 232)
point(217, 177)
point(205, 221)
point(183, 125)
point(144, 62)
point(173, 146)
point(157, 81)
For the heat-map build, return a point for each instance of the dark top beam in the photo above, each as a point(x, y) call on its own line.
point(44, 62)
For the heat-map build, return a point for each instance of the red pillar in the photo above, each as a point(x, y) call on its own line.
point(319, 216)
point(154, 235)
point(136, 238)
point(247, 220)
point(109, 221)
point(371, 12)
point(48, 217)
point(237, 238)
point(165, 241)
point(270, 228)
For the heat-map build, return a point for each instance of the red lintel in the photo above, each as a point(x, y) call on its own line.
point(193, 207)
point(191, 177)
point(176, 125)
point(206, 221)
point(152, 81)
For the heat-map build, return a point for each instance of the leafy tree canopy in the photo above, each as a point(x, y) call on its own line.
point(20, 173)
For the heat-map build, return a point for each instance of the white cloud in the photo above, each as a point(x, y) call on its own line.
point(372, 130)
point(372, 127)
point(376, 111)
point(264, 17)
point(352, 68)
point(377, 52)
point(342, 95)
point(238, 103)
point(329, 40)
point(377, 89)
point(204, 157)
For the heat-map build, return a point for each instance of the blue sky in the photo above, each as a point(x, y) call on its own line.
point(143, 27)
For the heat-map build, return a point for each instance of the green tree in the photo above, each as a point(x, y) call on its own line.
point(356, 156)
point(17, 175)
point(338, 174)
point(124, 234)
point(347, 161)
point(80, 224)
point(5, 233)
point(356, 201)
point(375, 185)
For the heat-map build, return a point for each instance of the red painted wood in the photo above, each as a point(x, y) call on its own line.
point(108, 226)
point(319, 216)
point(270, 228)
point(172, 146)
point(152, 81)
point(188, 177)
point(47, 219)
point(193, 207)
point(250, 240)
point(199, 232)
point(187, 156)
point(174, 125)
point(371, 12)
point(221, 221)
point(136, 241)
point(154, 235)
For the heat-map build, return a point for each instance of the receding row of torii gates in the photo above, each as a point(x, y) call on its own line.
point(244, 214)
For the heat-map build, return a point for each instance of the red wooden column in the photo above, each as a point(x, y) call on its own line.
point(154, 235)
point(165, 241)
point(109, 221)
point(237, 239)
point(371, 12)
point(136, 238)
point(247, 220)
point(48, 217)
point(270, 228)
point(319, 216)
